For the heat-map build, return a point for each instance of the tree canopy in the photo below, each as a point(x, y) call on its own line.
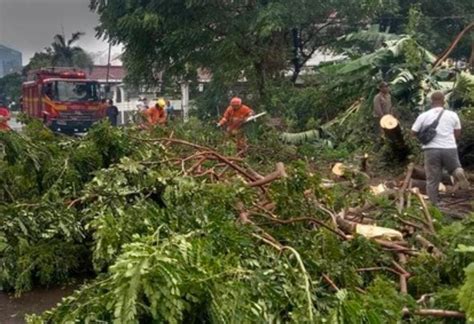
point(261, 39)
point(10, 87)
point(64, 53)
point(255, 39)
point(61, 53)
point(437, 25)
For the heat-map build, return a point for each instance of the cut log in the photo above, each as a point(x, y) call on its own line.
point(393, 132)
point(440, 313)
point(363, 163)
point(430, 247)
point(378, 190)
point(345, 226)
point(420, 174)
point(421, 185)
point(339, 169)
point(382, 190)
point(371, 231)
point(389, 122)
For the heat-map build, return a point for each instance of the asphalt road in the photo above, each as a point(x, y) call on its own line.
point(13, 310)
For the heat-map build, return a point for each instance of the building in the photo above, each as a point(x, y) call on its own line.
point(10, 61)
point(111, 78)
point(112, 81)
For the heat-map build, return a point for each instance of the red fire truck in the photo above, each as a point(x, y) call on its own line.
point(63, 98)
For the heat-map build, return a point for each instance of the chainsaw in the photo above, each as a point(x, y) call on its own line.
point(254, 117)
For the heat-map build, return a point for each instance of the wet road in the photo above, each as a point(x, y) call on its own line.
point(13, 310)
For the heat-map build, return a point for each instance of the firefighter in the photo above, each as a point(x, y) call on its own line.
point(234, 117)
point(4, 118)
point(155, 115)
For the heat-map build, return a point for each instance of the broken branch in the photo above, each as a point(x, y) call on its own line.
point(278, 173)
point(430, 247)
point(426, 212)
point(401, 202)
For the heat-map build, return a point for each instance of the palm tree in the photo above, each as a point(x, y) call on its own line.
point(64, 53)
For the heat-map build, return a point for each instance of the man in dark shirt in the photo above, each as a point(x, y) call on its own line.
point(112, 112)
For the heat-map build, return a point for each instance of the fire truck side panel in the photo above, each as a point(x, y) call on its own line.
point(62, 116)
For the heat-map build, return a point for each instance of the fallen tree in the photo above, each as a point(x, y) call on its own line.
point(177, 231)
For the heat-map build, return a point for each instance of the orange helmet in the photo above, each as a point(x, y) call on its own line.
point(236, 101)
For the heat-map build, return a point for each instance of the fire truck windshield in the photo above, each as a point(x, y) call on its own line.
point(72, 91)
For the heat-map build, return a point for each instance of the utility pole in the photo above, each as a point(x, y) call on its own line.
point(107, 87)
point(185, 99)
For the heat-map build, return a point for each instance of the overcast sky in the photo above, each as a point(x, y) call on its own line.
point(29, 25)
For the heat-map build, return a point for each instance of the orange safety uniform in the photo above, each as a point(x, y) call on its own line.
point(5, 114)
point(234, 119)
point(155, 116)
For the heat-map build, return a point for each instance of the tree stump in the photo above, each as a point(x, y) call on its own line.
point(339, 169)
point(394, 135)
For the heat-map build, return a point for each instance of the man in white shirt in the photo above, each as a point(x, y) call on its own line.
point(441, 152)
point(142, 106)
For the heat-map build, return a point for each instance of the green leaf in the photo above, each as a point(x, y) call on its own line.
point(466, 294)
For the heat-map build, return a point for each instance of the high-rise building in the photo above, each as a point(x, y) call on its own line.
point(10, 61)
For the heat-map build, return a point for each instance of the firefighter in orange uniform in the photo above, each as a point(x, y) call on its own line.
point(234, 117)
point(155, 115)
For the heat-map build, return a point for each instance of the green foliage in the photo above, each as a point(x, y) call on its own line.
point(365, 41)
point(162, 246)
point(356, 308)
point(466, 143)
point(61, 53)
point(44, 239)
point(42, 244)
point(436, 23)
point(257, 40)
point(65, 54)
point(466, 293)
point(38, 61)
point(300, 138)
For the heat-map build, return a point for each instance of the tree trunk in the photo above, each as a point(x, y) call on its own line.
point(471, 59)
point(295, 60)
point(393, 133)
point(260, 78)
point(420, 174)
point(421, 184)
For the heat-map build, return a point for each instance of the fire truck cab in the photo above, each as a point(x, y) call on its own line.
point(64, 99)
